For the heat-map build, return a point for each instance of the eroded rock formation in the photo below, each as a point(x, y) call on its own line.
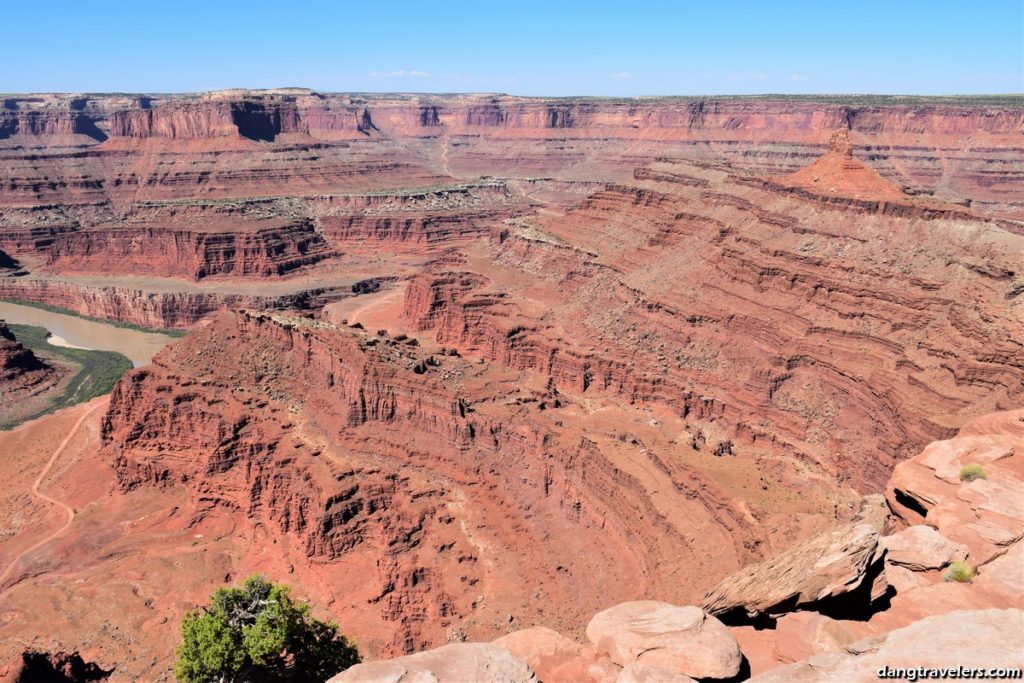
point(266, 249)
point(22, 373)
point(837, 571)
point(772, 322)
point(365, 448)
point(920, 143)
point(946, 625)
point(681, 640)
point(240, 184)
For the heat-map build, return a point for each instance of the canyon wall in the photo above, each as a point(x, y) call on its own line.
point(965, 149)
point(171, 310)
point(249, 184)
point(642, 343)
point(368, 451)
point(776, 323)
point(268, 249)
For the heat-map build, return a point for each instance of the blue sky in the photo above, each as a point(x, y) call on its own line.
point(623, 48)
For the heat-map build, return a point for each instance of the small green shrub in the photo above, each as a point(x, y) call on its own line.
point(972, 472)
point(258, 632)
point(959, 571)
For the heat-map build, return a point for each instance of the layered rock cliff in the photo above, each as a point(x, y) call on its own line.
point(364, 448)
point(266, 249)
point(697, 368)
point(919, 143)
point(776, 324)
point(831, 621)
point(162, 308)
point(191, 182)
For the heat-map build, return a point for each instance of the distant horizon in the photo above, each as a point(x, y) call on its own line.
point(651, 48)
point(483, 93)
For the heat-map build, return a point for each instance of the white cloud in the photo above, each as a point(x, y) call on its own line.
point(620, 75)
point(399, 73)
point(797, 77)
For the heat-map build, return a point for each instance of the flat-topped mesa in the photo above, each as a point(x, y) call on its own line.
point(237, 248)
point(917, 142)
point(423, 112)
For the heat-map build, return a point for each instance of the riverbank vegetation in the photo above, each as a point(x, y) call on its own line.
point(92, 373)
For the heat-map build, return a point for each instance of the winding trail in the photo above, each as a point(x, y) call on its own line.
point(444, 157)
point(39, 494)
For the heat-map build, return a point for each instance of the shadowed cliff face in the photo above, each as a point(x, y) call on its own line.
point(256, 121)
point(6, 262)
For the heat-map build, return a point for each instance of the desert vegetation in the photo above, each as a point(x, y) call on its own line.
point(95, 372)
point(259, 632)
point(972, 472)
point(959, 571)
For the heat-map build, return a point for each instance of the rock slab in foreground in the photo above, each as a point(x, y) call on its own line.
point(681, 640)
point(832, 564)
point(550, 654)
point(457, 663)
point(971, 639)
point(920, 548)
point(638, 672)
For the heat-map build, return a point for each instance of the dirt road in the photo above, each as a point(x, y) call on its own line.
point(68, 510)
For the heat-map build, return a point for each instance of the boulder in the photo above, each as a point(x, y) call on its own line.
point(903, 580)
point(456, 663)
point(603, 670)
point(552, 656)
point(920, 548)
point(682, 640)
point(834, 563)
point(638, 672)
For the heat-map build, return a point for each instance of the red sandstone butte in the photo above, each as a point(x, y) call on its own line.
point(22, 373)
